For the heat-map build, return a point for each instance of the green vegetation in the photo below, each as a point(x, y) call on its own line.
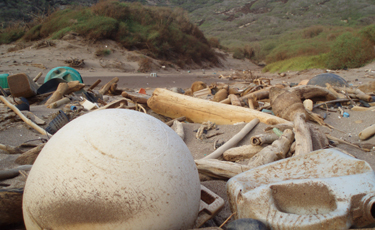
point(159, 32)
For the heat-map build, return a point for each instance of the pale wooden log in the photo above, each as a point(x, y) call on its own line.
point(338, 95)
point(34, 118)
point(262, 139)
point(136, 97)
point(276, 151)
point(23, 117)
point(367, 132)
point(220, 169)
point(302, 135)
point(179, 129)
point(10, 149)
point(107, 86)
point(28, 157)
point(170, 123)
point(37, 77)
point(308, 104)
point(242, 152)
point(292, 149)
point(170, 104)
point(96, 83)
point(250, 101)
point(10, 173)
point(313, 91)
point(59, 103)
point(64, 89)
point(198, 85)
point(234, 140)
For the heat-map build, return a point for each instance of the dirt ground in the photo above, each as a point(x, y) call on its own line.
point(120, 63)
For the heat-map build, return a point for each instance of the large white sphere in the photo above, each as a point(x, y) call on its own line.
point(113, 169)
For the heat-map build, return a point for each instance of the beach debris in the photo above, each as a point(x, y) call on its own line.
point(367, 132)
point(23, 117)
point(21, 85)
point(202, 130)
point(234, 140)
point(178, 128)
point(175, 105)
point(262, 139)
point(28, 157)
point(75, 62)
point(242, 152)
point(64, 89)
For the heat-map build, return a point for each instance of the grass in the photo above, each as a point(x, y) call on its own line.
point(158, 32)
point(297, 64)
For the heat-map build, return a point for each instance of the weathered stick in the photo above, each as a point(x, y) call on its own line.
point(357, 92)
point(258, 95)
point(234, 100)
point(179, 129)
point(367, 132)
point(170, 123)
point(220, 169)
point(37, 77)
point(58, 103)
point(234, 140)
point(262, 139)
point(107, 86)
point(342, 141)
point(242, 152)
point(10, 173)
point(175, 105)
point(25, 119)
point(271, 153)
point(136, 97)
point(28, 157)
point(96, 83)
point(10, 149)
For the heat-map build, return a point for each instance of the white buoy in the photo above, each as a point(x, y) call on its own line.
point(113, 169)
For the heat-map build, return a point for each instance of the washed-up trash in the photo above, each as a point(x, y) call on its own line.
point(64, 89)
point(10, 206)
point(210, 205)
point(57, 123)
point(332, 79)
point(132, 164)
point(366, 88)
point(345, 114)
point(312, 191)
point(64, 72)
point(4, 80)
point(21, 85)
point(50, 86)
point(24, 105)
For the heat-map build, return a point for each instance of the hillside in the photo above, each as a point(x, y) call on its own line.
point(234, 22)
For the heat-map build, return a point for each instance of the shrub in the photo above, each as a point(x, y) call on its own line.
point(369, 33)
point(11, 34)
point(97, 27)
point(312, 31)
point(214, 42)
point(102, 52)
point(238, 53)
point(350, 51)
point(33, 34)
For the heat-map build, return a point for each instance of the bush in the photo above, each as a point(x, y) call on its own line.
point(350, 51)
point(11, 34)
point(97, 27)
point(102, 52)
point(33, 34)
point(238, 53)
point(369, 33)
point(312, 31)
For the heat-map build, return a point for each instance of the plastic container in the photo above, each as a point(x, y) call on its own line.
point(4, 80)
point(113, 169)
point(325, 189)
point(332, 79)
point(57, 123)
point(64, 72)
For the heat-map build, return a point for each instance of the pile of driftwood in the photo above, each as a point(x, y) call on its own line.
point(285, 109)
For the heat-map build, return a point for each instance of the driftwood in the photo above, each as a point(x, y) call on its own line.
point(234, 100)
point(59, 103)
point(220, 95)
point(64, 89)
point(367, 132)
point(10, 173)
point(10, 149)
point(28, 157)
point(257, 95)
point(23, 117)
point(242, 152)
point(175, 105)
point(120, 103)
point(179, 129)
point(96, 83)
point(302, 133)
point(107, 86)
point(34, 118)
point(113, 90)
point(276, 151)
point(198, 85)
point(170, 123)
point(281, 127)
point(37, 77)
point(234, 140)
point(342, 141)
point(220, 169)
point(136, 97)
point(356, 92)
point(262, 139)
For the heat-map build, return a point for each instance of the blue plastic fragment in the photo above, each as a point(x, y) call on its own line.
point(345, 114)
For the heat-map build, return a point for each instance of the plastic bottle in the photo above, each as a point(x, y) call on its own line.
point(325, 189)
